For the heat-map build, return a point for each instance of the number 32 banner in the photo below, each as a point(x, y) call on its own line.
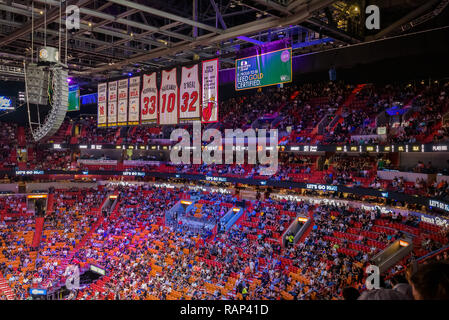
point(148, 105)
point(168, 98)
point(189, 103)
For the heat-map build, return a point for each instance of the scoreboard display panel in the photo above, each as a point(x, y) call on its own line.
point(264, 69)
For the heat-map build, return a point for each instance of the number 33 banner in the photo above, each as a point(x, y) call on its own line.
point(168, 98)
point(148, 105)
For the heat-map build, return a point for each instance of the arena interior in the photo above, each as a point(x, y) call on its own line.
point(348, 101)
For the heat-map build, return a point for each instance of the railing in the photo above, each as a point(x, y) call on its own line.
point(422, 259)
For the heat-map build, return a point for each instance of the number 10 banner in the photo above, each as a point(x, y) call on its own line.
point(148, 105)
point(168, 98)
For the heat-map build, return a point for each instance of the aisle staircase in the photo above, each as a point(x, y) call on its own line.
point(60, 269)
point(21, 138)
point(50, 203)
point(5, 288)
point(38, 232)
point(349, 100)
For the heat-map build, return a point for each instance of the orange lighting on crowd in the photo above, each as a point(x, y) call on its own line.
point(113, 196)
point(235, 209)
point(186, 202)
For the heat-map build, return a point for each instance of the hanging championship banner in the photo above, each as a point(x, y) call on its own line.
point(189, 95)
point(209, 103)
point(112, 104)
point(134, 98)
point(148, 104)
point(122, 115)
point(102, 104)
point(168, 98)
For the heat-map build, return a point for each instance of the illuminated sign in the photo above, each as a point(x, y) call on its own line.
point(321, 187)
point(133, 173)
point(37, 196)
point(439, 148)
point(6, 103)
point(437, 221)
point(28, 172)
point(403, 243)
point(302, 219)
point(236, 209)
point(264, 69)
point(186, 202)
point(381, 130)
point(38, 292)
point(220, 179)
point(439, 205)
point(97, 270)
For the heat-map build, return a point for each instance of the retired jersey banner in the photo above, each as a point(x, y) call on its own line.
point(168, 98)
point(149, 102)
point(134, 99)
point(189, 95)
point(112, 104)
point(209, 107)
point(102, 104)
point(122, 116)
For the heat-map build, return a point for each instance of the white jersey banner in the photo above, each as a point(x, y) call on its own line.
point(189, 95)
point(102, 104)
point(122, 116)
point(112, 104)
point(168, 98)
point(149, 99)
point(134, 101)
point(209, 102)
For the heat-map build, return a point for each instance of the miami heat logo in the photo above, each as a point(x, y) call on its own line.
point(207, 111)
